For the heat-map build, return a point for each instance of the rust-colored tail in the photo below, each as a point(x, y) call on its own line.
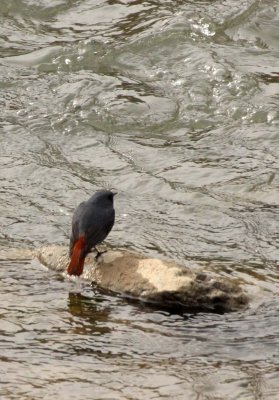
point(75, 266)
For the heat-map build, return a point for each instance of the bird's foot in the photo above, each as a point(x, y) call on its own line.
point(99, 253)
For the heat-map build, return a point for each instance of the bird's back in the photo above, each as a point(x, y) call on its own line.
point(93, 216)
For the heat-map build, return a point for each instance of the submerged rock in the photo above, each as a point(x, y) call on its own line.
point(152, 280)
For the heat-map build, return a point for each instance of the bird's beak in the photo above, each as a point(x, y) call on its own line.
point(114, 193)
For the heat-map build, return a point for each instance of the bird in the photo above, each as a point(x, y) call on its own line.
point(92, 222)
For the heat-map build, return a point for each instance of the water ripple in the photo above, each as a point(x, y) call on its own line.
point(173, 104)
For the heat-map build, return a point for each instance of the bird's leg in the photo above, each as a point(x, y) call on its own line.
point(99, 253)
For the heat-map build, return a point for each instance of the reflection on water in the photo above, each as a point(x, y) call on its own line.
point(175, 105)
point(90, 312)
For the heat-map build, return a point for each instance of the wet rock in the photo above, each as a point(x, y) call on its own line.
point(152, 280)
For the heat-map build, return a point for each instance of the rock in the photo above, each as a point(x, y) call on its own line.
point(152, 280)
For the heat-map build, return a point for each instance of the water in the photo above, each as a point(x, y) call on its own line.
point(175, 105)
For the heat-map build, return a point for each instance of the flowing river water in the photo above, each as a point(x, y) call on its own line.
point(174, 104)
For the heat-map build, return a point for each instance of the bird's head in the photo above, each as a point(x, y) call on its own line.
point(104, 197)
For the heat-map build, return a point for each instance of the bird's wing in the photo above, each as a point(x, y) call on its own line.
point(96, 234)
point(75, 224)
